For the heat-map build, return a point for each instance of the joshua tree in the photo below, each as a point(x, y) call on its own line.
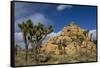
point(24, 30)
point(34, 34)
point(39, 33)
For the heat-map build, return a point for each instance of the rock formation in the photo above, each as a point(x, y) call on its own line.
point(76, 42)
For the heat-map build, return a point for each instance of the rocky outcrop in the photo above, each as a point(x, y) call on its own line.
point(76, 42)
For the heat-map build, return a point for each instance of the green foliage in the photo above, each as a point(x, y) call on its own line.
point(38, 32)
point(62, 44)
point(43, 57)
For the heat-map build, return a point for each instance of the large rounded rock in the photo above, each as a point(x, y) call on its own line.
point(71, 49)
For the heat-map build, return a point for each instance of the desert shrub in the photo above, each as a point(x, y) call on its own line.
point(43, 57)
point(63, 60)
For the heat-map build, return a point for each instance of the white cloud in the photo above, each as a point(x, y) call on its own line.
point(19, 39)
point(62, 7)
point(36, 18)
point(92, 35)
point(51, 35)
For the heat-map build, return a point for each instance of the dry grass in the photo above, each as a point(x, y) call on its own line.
point(54, 59)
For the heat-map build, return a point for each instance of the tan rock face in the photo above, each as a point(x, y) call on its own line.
point(71, 49)
point(50, 48)
point(76, 42)
point(88, 46)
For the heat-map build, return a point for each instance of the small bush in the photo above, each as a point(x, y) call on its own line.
point(43, 57)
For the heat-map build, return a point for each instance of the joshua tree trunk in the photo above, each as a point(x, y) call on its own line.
point(26, 54)
point(35, 52)
point(26, 46)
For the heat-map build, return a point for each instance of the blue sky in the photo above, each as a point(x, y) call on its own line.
point(55, 14)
